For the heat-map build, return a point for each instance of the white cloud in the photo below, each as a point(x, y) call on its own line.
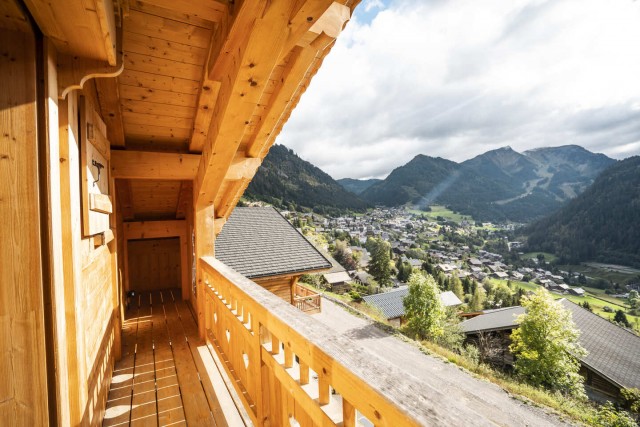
point(457, 78)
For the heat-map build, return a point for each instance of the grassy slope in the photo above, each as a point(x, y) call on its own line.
point(597, 304)
point(438, 210)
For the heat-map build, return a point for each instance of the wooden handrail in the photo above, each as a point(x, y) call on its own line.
point(307, 300)
point(286, 365)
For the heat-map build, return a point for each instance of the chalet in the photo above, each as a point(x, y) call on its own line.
point(559, 287)
point(474, 262)
point(130, 130)
point(516, 275)
point(611, 363)
point(577, 291)
point(339, 282)
point(391, 304)
point(500, 275)
point(263, 246)
point(446, 268)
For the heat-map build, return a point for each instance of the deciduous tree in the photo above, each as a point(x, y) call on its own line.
point(424, 311)
point(546, 345)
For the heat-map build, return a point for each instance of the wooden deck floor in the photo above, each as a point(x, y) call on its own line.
point(163, 378)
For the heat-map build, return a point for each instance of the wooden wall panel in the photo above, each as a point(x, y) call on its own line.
point(280, 286)
point(23, 384)
point(154, 264)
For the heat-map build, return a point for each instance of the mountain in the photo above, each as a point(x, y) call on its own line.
point(285, 180)
point(601, 224)
point(498, 185)
point(357, 186)
point(411, 182)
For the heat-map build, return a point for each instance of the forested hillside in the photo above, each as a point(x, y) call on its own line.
point(287, 181)
point(601, 224)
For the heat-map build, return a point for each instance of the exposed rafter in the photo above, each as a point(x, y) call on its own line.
point(243, 67)
point(153, 165)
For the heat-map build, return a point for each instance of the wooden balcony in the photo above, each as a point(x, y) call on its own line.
point(287, 367)
point(166, 376)
point(307, 300)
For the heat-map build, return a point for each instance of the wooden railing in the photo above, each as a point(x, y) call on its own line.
point(285, 365)
point(307, 300)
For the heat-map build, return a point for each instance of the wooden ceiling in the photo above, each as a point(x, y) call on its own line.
point(164, 55)
point(208, 82)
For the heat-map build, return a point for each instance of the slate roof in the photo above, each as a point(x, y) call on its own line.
point(613, 351)
point(493, 320)
point(391, 303)
point(341, 276)
point(259, 242)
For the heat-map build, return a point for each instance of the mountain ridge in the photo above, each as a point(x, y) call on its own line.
point(289, 182)
point(500, 184)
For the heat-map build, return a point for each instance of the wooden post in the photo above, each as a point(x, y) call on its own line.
point(115, 285)
point(205, 237)
point(70, 213)
point(23, 358)
point(53, 239)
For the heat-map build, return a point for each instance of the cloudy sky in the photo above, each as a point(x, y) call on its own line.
point(455, 78)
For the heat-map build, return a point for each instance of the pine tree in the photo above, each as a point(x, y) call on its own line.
point(379, 266)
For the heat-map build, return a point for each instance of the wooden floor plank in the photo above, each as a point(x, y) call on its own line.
point(118, 409)
point(158, 379)
point(143, 407)
point(194, 400)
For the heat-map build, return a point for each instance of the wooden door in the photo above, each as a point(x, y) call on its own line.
point(154, 264)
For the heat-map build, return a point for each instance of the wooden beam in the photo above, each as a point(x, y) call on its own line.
point(332, 20)
point(107, 18)
point(75, 71)
point(125, 203)
point(154, 229)
point(80, 29)
point(299, 64)
point(300, 68)
point(184, 199)
point(229, 199)
point(153, 165)
point(210, 10)
point(244, 73)
point(218, 224)
point(243, 168)
point(209, 91)
point(111, 109)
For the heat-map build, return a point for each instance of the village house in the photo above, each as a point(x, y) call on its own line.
point(391, 303)
point(610, 365)
point(247, 244)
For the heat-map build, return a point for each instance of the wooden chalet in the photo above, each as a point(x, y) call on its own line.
point(130, 129)
point(263, 246)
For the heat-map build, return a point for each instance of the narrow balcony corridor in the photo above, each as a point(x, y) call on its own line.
point(166, 375)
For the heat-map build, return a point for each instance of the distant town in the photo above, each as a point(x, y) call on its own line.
point(455, 246)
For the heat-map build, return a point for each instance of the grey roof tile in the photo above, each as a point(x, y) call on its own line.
point(493, 320)
point(392, 303)
point(613, 351)
point(259, 242)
